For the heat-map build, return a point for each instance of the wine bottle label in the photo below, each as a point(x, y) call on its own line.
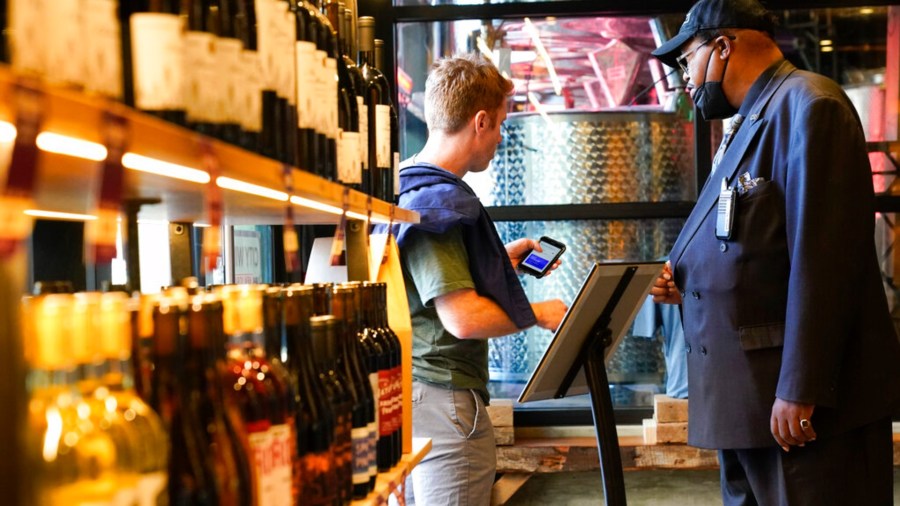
point(385, 402)
point(376, 393)
point(261, 453)
point(150, 487)
point(281, 465)
point(281, 67)
point(28, 46)
point(199, 70)
point(305, 53)
point(383, 135)
point(397, 399)
point(266, 15)
point(349, 164)
point(331, 90)
point(321, 87)
point(63, 32)
point(287, 43)
point(228, 55)
point(361, 456)
point(363, 130)
point(157, 48)
point(373, 447)
point(396, 174)
point(102, 48)
point(250, 89)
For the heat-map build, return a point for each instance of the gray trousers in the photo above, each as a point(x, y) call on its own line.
point(459, 469)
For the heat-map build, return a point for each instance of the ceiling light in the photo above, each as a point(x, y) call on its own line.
point(7, 132)
point(866, 11)
point(825, 42)
point(827, 49)
point(542, 52)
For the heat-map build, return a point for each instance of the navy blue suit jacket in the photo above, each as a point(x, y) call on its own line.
point(792, 305)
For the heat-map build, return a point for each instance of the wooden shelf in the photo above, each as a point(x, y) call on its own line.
point(391, 482)
point(67, 183)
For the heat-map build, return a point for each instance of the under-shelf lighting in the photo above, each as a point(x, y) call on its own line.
point(160, 168)
point(360, 216)
point(319, 206)
point(70, 146)
point(56, 215)
point(253, 189)
point(7, 132)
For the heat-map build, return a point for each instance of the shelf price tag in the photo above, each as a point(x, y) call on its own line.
point(291, 244)
point(17, 194)
point(212, 236)
point(338, 255)
point(101, 233)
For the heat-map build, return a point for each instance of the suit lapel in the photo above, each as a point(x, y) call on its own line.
point(728, 166)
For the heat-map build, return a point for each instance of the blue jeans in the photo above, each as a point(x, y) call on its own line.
point(459, 469)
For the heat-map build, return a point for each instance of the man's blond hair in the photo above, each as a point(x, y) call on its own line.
point(460, 86)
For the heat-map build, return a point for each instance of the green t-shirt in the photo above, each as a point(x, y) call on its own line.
point(434, 265)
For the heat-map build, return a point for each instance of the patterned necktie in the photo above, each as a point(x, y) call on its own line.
point(726, 139)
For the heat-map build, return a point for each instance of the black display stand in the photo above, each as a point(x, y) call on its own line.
point(602, 312)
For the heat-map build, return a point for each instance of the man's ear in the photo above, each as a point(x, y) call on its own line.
point(482, 121)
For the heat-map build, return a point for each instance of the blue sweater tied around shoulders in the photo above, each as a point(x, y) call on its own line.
point(444, 201)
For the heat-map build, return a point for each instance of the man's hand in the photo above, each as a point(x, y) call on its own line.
point(790, 423)
point(520, 248)
point(664, 290)
point(549, 313)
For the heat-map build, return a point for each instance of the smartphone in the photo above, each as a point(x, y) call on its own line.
point(537, 263)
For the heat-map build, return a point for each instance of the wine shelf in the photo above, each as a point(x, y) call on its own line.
point(389, 483)
point(67, 184)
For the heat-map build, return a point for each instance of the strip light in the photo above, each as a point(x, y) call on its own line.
point(55, 215)
point(65, 145)
point(253, 189)
point(363, 217)
point(160, 168)
point(538, 106)
point(7, 132)
point(319, 206)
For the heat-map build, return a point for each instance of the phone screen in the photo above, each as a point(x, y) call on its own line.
point(539, 261)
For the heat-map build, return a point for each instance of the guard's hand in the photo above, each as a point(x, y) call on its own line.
point(791, 423)
point(664, 290)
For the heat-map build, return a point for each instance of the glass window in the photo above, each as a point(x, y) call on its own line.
point(594, 119)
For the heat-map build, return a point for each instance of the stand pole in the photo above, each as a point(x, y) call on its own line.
point(604, 421)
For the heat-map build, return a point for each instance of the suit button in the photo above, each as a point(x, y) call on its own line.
point(682, 294)
point(695, 295)
point(723, 247)
point(687, 348)
point(703, 350)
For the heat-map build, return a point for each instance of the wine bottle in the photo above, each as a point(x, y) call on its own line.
point(359, 85)
point(345, 306)
point(391, 178)
point(371, 352)
point(379, 360)
point(349, 79)
point(229, 464)
point(396, 375)
point(315, 417)
point(201, 100)
point(220, 21)
point(152, 442)
point(156, 47)
point(249, 80)
point(378, 103)
point(306, 67)
point(325, 349)
point(191, 481)
point(61, 435)
point(261, 395)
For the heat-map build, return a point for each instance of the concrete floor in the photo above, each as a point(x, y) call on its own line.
point(642, 488)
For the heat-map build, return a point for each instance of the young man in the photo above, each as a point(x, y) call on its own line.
point(792, 355)
point(461, 281)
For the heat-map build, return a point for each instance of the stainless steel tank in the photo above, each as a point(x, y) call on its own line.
point(630, 155)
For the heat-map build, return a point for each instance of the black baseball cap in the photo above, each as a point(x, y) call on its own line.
point(714, 15)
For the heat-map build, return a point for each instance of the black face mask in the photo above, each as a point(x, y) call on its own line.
point(709, 98)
